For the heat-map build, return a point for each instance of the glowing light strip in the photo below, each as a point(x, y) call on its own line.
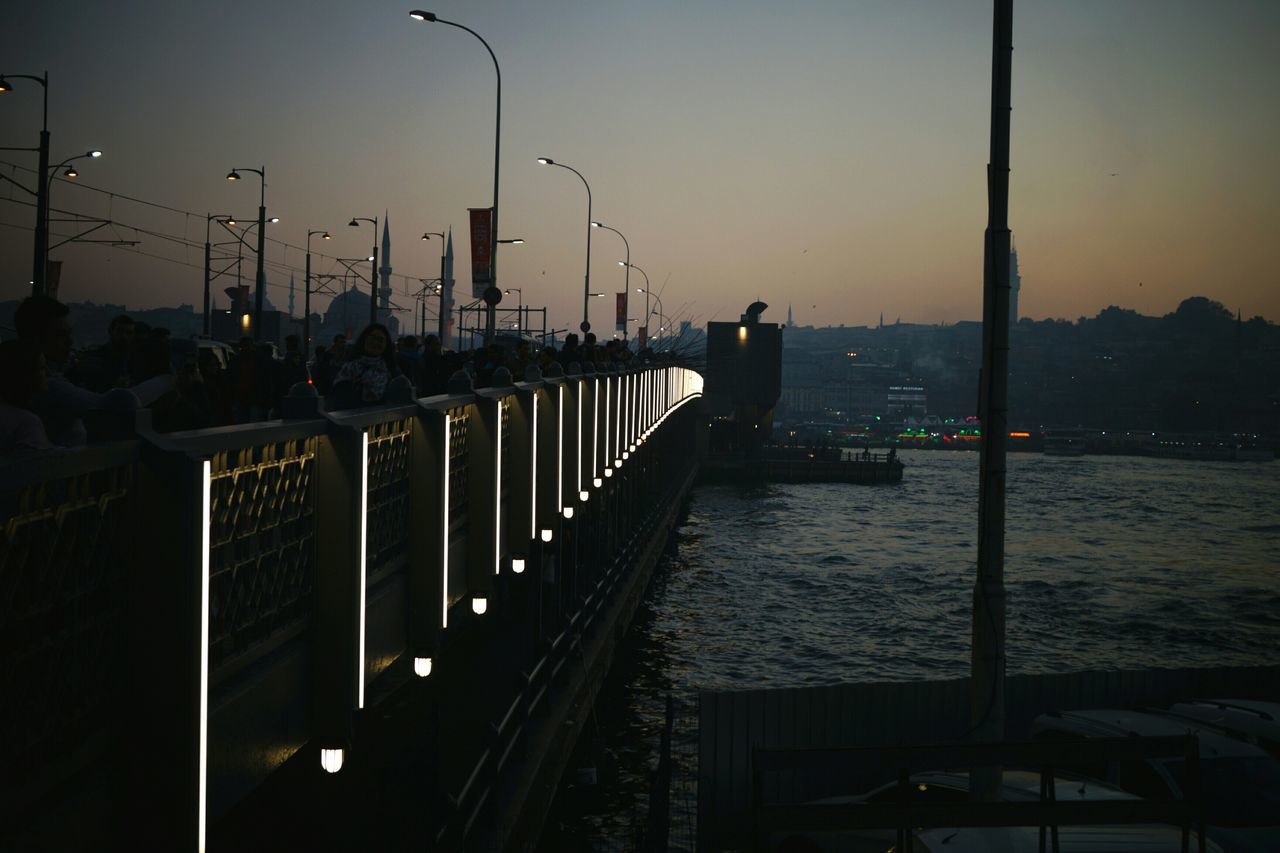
point(364, 558)
point(533, 474)
point(444, 535)
point(559, 448)
point(206, 522)
point(577, 450)
point(608, 407)
point(595, 427)
point(497, 497)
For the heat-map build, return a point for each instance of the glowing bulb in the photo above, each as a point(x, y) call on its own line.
point(331, 760)
point(517, 565)
point(479, 606)
point(422, 667)
point(568, 512)
point(583, 495)
point(617, 463)
point(597, 482)
point(626, 454)
point(546, 535)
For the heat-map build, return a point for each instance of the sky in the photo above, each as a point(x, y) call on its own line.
point(827, 154)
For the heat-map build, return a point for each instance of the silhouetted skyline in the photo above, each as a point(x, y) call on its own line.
point(827, 154)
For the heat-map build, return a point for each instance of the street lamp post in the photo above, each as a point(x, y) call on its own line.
point(260, 291)
point(208, 257)
point(306, 298)
point(427, 235)
point(626, 284)
point(419, 15)
point(644, 290)
point(373, 265)
point(586, 288)
point(40, 251)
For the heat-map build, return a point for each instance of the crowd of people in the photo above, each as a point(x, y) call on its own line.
point(52, 395)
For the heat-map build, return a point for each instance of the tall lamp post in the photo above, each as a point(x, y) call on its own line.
point(306, 298)
point(586, 288)
point(208, 259)
point(260, 291)
point(644, 290)
point(373, 265)
point(419, 15)
point(40, 251)
point(427, 235)
point(626, 283)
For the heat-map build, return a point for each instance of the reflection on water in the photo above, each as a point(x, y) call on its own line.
point(1111, 562)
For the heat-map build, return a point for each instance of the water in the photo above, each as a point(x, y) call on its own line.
point(1111, 563)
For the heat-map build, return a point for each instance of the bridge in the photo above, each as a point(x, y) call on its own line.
point(376, 628)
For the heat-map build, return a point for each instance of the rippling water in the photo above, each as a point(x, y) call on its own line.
point(1110, 563)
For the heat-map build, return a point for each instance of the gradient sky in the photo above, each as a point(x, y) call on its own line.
point(828, 154)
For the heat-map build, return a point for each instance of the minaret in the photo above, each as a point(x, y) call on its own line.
point(291, 285)
point(384, 272)
point(446, 307)
point(1015, 283)
point(790, 323)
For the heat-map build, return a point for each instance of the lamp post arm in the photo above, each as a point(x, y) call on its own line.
point(497, 149)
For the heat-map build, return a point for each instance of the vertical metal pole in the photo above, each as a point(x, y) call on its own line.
point(306, 307)
point(40, 261)
point(207, 250)
point(443, 313)
point(373, 280)
point(986, 701)
point(261, 292)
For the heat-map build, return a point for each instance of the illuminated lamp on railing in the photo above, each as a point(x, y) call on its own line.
point(517, 565)
point(583, 495)
point(546, 534)
point(364, 558)
point(206, 526)
point(568, 512)
point(597, 482)
point(422, 667)
point(608, 472)
point(479, 606)
point(331, 760)
point(626, 454)
point(617, 463)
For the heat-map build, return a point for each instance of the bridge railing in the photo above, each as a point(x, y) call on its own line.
point(222, 600)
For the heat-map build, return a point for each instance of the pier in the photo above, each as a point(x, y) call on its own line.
point(380, 627)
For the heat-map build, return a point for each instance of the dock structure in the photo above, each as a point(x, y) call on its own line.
point(373, 629)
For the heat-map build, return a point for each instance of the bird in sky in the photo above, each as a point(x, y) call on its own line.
point(1115, 174)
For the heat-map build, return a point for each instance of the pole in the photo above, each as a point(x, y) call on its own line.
point(586, 287)
point(261, 291)
point(40, 262)
point(306, 307)
point(441, 321)
point(986, 698)
point(373, 279)
point(208, 247)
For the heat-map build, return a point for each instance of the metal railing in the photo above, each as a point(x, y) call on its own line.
point(251, 589)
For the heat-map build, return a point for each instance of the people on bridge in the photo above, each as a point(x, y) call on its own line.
point(22, 376)
point(363, 378)
point(115, 364)
point(63, 405)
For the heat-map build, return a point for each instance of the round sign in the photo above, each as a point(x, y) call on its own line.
point(492, 295)
point(584, 326)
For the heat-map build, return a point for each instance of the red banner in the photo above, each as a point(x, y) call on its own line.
point(481, 249)
point(643, 336)
point(621, 318)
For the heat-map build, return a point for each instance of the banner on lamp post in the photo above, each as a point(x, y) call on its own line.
point(621, 317)
point(642, 336)
point(481, 250)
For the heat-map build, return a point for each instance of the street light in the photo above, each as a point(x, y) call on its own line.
point(373, 266)
point(260, 290)
point(430, 17)
point(586, 288)
point(226, 219)
point(427, 235)
point(626, 284)
point(306, 298)
point(41, 248)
